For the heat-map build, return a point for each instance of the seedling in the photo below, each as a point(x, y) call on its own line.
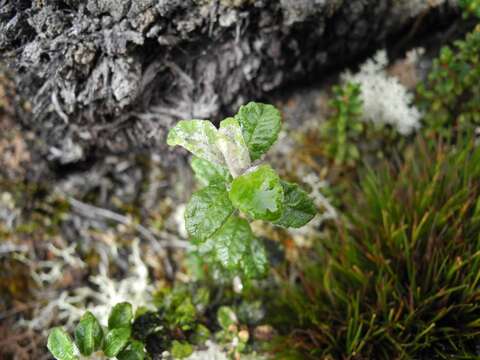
point(236, 188)
point(90, 337)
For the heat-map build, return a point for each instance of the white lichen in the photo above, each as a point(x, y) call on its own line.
point(212, 352)
point(385, 99)
point(67, 306)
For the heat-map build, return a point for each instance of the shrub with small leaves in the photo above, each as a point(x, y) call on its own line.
point(91, 337)
point(449, 97)
point(470, 7)
point(235, 191)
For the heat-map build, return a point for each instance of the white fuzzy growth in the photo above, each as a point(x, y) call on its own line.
point(213, 352)
point(134, 288)
point(233, 147)
point(67, 307)
point(385, 100)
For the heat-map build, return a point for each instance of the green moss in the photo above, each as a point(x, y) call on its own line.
point(401, 280)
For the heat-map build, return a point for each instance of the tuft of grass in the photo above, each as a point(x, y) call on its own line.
point(402, 279)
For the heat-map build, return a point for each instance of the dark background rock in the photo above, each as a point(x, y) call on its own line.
point(110, 76)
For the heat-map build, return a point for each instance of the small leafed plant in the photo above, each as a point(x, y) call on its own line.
point(344, 128)
point(236, 189)
point(90, 337)
point(470, 7)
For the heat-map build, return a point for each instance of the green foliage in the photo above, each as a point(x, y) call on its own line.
point(231, 242)
point(226, 317)
point(261, 125)
point(207, 211)
point(181, 350)
point(61, 345)
point(449, 98)
point(231, 332)
point(470, 7)
point(89, 337)
point(120, 316)
point(344, 128)
point(208, 173)
point(401, 280)
point(88, 334)
point(230, 184)
point(258, 193)
point(298, 210)
point(134, 351)
point(116, 340)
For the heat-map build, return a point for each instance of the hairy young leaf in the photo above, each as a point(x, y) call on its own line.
point(207, 211)
point(120, 316)
point(255, 262)
point(116, 340)
point(208, 173)
point(61, 345)
point(232, 145)
point(88, 334)
point(134, 351)
point(199, 137)
point(231, 242)
point(258, 193)
point(298, 208)
point(260, 125)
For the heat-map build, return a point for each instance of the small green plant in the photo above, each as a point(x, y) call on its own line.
point(343, 128)
point(236, 191)
point(231, 332)
point(470, 7)
point(449, 97)
point(90, 337)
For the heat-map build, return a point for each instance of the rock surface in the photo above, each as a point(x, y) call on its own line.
point(115, 74)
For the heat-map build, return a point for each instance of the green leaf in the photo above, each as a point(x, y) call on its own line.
point(231, 242)
point(298, 208)
point(232, 145)
point(199, 137)
point(120, 316)
point(226, 317)
point(207, 211)
point(61, 345)
point(134, 351)
point(258, 193)
point(201, 335)
point(184, 315)
point(181, 350)
point(260, 125)
point(255, 262)
point(88, 334)
point(116, 340)
point(208, 173)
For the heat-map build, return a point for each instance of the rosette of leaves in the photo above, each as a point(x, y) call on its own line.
point(115, 341)
point(234, 190)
